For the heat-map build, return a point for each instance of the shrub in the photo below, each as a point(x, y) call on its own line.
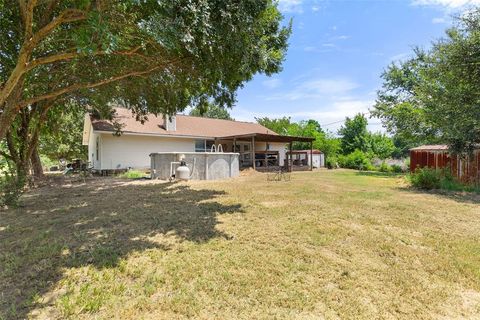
point(384, 167)
point(331, 162)
point(397, 168)
point(132, 174)
point(356, 160)
point(427, 178)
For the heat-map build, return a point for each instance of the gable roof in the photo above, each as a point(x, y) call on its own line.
point(188, 126)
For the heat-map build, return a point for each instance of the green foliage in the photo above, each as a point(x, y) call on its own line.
point(11, 187)
point(380, 145)
point(426, 178)
point(384, 167)
point(280, 125)
point(358, 160)
point(331, 162)
point(132, 174)
point(61, 136)
point(211, 111)
point(354, 134)
point(397, 168)
point(434, 96)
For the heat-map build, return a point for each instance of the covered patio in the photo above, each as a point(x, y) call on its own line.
point(266, 152)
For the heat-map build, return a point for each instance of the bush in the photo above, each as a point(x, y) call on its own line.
point(356, 160)
point(384, 167)
point(132, 174)
point(331, 162)
point(427, 178)
point(11, 188)
point(397, 168)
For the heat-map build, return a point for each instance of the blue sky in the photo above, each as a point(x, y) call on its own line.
point(338, 50)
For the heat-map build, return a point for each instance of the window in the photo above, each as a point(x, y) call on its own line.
point(200, 146)
point(209, 144)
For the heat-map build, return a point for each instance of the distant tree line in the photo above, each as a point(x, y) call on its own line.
point(352, 140)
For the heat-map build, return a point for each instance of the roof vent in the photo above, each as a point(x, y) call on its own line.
point(170, 123)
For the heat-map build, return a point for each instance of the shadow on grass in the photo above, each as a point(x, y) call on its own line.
point(379, 174)
point(458, 196)
point(95, 224)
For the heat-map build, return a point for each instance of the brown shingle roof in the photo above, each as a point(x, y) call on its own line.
point(185, 126)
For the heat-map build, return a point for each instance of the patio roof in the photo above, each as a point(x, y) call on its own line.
point(264, 137)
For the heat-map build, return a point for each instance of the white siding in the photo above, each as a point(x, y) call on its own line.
point(92, 153)
point(133, 151)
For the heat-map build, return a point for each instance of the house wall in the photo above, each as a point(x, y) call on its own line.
point(133, 151)
point(92, 150)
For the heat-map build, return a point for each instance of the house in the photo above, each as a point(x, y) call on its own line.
point(258, 146)
point(466, 169)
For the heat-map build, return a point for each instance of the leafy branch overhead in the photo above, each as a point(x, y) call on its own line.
point(435, 96)
point(150, 56)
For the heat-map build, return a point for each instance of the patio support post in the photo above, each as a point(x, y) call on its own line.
point(253, 152)
point(311, 155)
point(290, 161)
point(266, 155)
point(234, 149)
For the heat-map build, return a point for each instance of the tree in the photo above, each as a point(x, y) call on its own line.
point(380, 145)
point(280, 125)
point(149, 56)
point(212, 111)
point(354, 134)
point(62, 135)
point(187, 52)
point(436, 95)
point(398, 105)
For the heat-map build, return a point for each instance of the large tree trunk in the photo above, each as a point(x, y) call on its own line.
point(36, 163)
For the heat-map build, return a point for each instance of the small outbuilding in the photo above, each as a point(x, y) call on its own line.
point(465, 168)
point(307, 158)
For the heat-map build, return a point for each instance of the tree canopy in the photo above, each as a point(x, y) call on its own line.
point(211, 111)
point(152, 56)
point(435, 96)
point(354, 134)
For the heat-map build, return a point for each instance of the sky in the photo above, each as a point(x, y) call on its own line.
point(337, 52)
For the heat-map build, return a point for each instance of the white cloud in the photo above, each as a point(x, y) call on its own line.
point(331, 115)
point(438, 20)
point(315, 8)
point(317, 88)
point(272, 83)
point(290, 6)
point(399, 57)
point(446, 3)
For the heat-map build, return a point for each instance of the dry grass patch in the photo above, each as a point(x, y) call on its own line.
point(328, 244)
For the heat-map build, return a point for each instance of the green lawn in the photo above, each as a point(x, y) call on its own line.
point(325, 245)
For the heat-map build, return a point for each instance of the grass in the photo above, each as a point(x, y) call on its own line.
point(132, 174)
point(329, 244)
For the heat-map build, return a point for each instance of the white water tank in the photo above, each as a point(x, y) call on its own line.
point(182, 172)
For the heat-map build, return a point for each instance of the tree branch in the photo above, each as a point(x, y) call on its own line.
point(68, 15)
point(72, 55)
point(29, 10)
point(75, 87)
